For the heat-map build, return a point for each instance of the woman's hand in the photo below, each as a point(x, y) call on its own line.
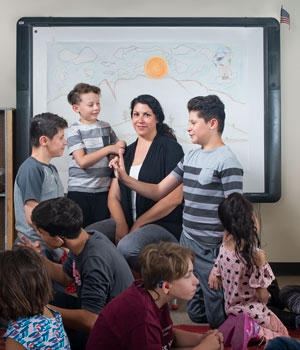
point(214, 282)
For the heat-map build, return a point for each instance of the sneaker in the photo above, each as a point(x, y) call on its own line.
point(245, 329)
point(227, 329)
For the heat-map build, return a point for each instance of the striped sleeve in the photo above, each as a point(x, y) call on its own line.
point(232, 177)
point(74, 139)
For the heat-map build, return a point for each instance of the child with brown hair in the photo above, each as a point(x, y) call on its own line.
point(139, 317)
point(25, 291)
point(90, 142)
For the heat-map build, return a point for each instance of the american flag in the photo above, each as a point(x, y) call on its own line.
point(284, 16)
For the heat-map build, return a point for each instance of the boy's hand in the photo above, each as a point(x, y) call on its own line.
point(214, 282)
point(118, 165)
point(121, 144)
point(37, 245)
point(118, 147)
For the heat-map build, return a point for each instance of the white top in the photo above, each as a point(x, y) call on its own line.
point(134, 172)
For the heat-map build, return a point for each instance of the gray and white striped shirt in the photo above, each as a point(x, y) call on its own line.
point(90, 137)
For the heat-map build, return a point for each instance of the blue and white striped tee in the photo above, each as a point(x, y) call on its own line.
point(90, 137)
point(207, 176)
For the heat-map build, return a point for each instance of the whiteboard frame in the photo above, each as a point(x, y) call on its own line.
point(271, 38)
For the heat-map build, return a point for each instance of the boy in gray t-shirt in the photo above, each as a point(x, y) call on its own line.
point(37, 179)
point(94, 264)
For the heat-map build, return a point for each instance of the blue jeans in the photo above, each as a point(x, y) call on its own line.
point(282, 343)
point(132, 244)
point(206, 304)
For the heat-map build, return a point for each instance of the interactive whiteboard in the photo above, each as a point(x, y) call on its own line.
point(171, 59)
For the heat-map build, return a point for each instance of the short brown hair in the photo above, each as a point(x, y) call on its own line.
point(80, 89)
point(164, 261)
point(25, 287)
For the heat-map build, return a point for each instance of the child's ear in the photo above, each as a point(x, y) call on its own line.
point(166, 287)
point(75, 108)
point(43, 140)
point(214, 124)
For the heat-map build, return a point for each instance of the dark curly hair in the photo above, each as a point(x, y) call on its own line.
point(237, 216)
point(208, 107)
point(152, 102)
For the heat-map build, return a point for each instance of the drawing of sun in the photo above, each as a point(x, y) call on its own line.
point(156, 67)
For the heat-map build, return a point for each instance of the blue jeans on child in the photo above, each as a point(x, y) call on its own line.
point(282, 343)
point(207, 305)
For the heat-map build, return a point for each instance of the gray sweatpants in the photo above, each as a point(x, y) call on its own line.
point(132, 244)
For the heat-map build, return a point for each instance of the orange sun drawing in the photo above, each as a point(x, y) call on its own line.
point(156, 67)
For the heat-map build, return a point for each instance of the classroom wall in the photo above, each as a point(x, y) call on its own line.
point(281, 220)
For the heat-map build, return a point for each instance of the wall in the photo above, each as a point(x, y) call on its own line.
point(281, 220)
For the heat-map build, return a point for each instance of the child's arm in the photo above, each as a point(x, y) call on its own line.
point(28, 208)
point(214, 282)
point(261, 294)
point(148, 190)
point(78, 319)
point(11, 344)
point(160, 209)
point(183, 340)
point(55, 270)
point(86, 160)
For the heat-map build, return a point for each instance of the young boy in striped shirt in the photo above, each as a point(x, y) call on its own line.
point(90, 142)
point(208, 175)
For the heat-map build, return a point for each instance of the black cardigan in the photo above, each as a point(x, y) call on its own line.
point(161, 159)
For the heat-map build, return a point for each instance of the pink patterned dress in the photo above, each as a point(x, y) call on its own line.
point(239, 291)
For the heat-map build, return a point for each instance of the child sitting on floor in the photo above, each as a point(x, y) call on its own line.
point(139, 317)
point(25, 291)
point(243, 272)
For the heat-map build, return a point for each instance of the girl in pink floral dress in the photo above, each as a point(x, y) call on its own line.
point(243, 272)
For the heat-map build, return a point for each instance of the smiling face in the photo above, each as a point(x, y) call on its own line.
point(184, 288)
point(88, 107)
point(144, 121)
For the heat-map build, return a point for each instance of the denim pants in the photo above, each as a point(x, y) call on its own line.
point(206, 304)
point(282, 343)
